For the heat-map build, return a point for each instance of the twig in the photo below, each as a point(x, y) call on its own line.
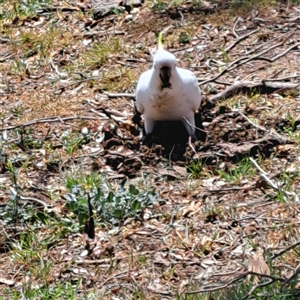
point(47, 207)
point(249, 121)
point(256, 287)
point(240, 39)
point(48, 120)
point(243, 60)
point(106, 260)
point(283, 78)
point(234, 26)
point(275, 134)
point(193, 126)
point(262, 45)
point(250, 84)
point(297, 271)
point(212, 289)
point(284, 52)
point(239, 277)
point(55, 68)
point(54, 9)
point(115, 276)
point(285, 250)
point(264, 175)
point(125, 95)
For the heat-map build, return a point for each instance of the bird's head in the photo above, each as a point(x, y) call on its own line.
point(164, 63)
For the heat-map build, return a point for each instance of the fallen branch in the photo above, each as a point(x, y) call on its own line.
point(239, 39)
point(285, 250)
point(48, 120)
point(284, 52)
point(272, 133)
point(32, 199)
point(264, 175)
point(243, 60)
point(249, 121)
point(228, 92)
point(240, 61)
point(284, 78)
point(119, 95)
point(239, 277)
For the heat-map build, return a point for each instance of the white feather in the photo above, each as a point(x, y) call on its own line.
point(177, 102)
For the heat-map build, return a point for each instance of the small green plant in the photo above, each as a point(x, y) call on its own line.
point(290, 130)
point(197, 2)
point(195, 169)
point(12, 210)
point(244, 169)
point(18, 68)
point(158, 5)
point(22, 9)
point(117, 11)
point(184, 38)
point(111, 205)
point(72, 141)
point(225, 55)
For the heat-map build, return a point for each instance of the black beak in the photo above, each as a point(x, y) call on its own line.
point(165, 75)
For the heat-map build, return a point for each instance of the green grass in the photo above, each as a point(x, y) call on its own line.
point(72, 141)
point(195, 169)
point(243, 170)
point(158, 5)
point(22, 9)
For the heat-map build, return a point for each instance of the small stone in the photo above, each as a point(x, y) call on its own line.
point(85, 131)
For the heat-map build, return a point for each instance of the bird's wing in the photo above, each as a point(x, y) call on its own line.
point(143, 90)
point(193, 92)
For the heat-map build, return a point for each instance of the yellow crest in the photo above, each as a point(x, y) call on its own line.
point(159, 41)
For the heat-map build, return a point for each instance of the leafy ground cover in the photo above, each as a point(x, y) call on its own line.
point(88, 212)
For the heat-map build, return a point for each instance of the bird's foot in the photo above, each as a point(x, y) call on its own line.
point(192, 139)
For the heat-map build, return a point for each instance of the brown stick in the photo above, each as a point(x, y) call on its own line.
point(242, 60)
point(249, 84)
point(48, 120)
point(228, 48)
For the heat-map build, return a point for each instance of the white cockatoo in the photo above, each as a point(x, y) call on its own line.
point(167, 93)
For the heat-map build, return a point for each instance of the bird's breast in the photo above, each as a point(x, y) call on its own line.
point(168, 105)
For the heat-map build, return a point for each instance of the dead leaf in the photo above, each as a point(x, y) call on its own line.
point(159, 259)
point(257, 264)
point(6, 281)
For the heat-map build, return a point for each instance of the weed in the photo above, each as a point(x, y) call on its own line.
point(225, 55)
point(111, 205)
point(195, 169)
point(158, 5)
point(197, 2)
point(22, 9)
point(184, 38)
point(101, 52)
point(12, 209)
point(71, 141)
point(19, 68)
point(117, 11)
point(244, 169)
